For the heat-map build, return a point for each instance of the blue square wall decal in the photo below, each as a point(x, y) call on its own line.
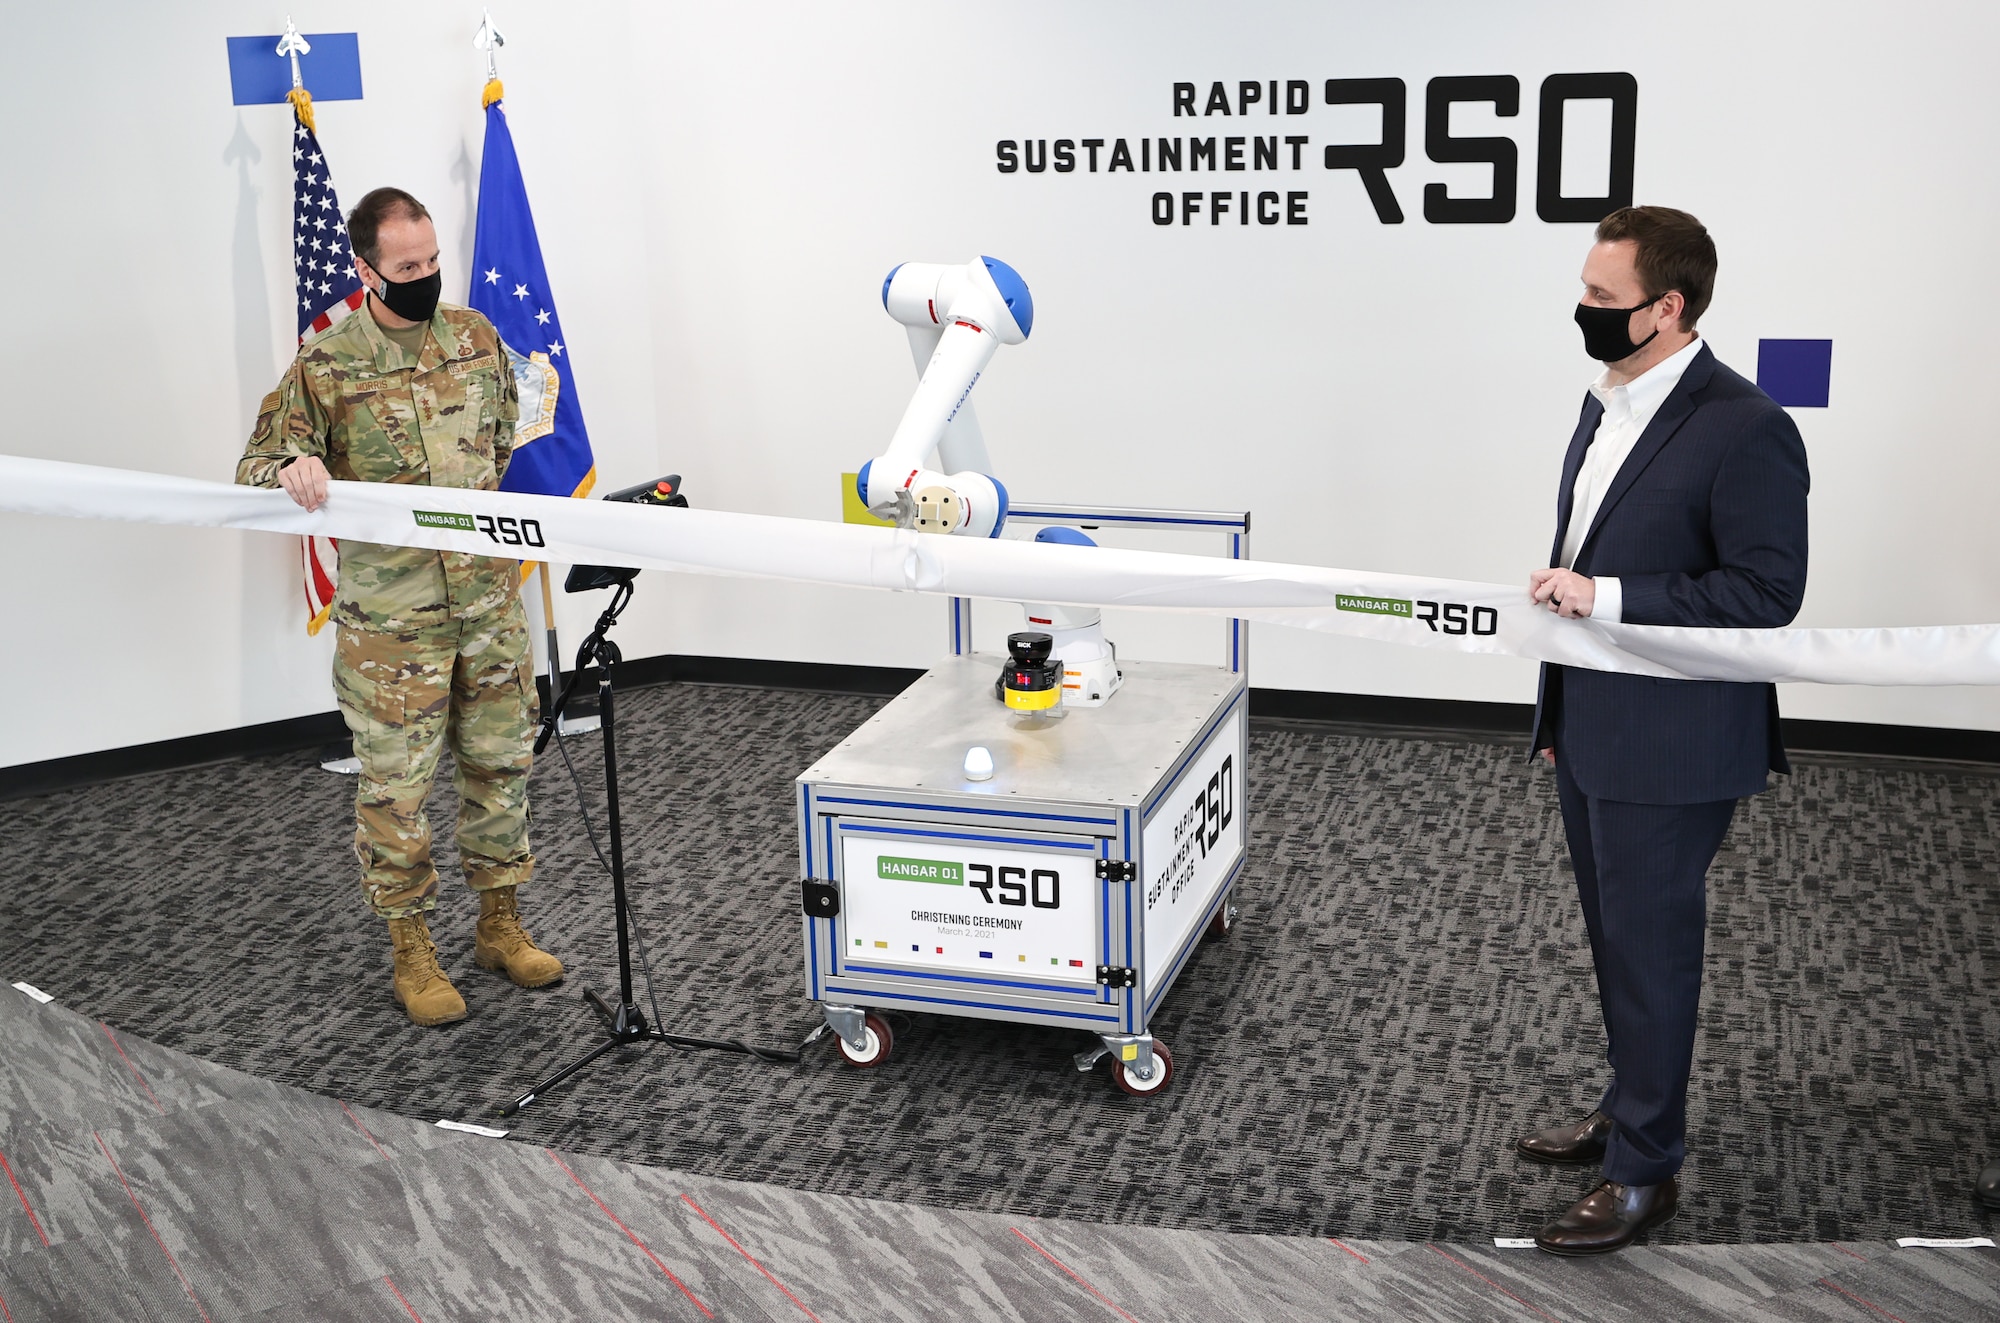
point(1795, 373)
point(331, 71)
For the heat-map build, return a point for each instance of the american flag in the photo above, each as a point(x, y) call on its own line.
point(328, 290)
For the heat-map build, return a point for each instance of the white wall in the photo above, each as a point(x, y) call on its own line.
point(147, 227)
point(720, 190)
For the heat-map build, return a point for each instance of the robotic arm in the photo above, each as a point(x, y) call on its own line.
point(1090, 671)
point(957, 317)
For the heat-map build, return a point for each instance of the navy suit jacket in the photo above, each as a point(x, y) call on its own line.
point(1705, 525)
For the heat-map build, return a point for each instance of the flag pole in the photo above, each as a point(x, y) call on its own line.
point(293, 44)
point(554, 645)
point(580, 714)
point(488, 39)
point(337, 758)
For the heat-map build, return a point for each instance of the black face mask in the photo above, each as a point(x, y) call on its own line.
point(412, 300)
point(1607, 332)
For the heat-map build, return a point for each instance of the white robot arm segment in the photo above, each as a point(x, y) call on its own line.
point(984, 290)
point(957, 318)
point(1091, 674)
point(963, 314)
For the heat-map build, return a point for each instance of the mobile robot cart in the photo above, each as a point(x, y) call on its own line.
point(1068, 890)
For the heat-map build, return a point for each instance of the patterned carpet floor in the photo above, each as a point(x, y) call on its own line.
point(1407, 989)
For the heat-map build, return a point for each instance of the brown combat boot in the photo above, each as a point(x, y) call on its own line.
point(427, 996)
point(503, 944)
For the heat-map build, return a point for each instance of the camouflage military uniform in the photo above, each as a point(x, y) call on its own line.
point(432, 646)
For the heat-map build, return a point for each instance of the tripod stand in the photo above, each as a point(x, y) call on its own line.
point(626, 1024)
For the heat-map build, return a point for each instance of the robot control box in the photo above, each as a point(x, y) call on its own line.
point(1070, 889)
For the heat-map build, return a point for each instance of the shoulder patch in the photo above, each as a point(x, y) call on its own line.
point(537, 387)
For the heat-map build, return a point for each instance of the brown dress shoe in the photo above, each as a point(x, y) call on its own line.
point(1610, 1218)
point(1988, 1185)
point(1582, 1142)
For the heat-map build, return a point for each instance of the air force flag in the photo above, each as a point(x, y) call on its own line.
point(551, 449)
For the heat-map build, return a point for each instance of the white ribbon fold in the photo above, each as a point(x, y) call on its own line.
point(1440, 613)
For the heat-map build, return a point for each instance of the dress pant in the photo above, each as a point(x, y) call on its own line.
point(1642, 878)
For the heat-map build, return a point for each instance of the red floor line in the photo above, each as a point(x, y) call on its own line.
point(370, 1138)
point(1496, 1286)
point(4, 1311)
point(1072, 1276)
point(172, 1262)
point(1849, 1253)
point(19, 1194)
point(399, 1300)
point(129, 1066)
point(1330, 1238)
point(752, 1258)
point(628, 1233)
point(1858, 1300)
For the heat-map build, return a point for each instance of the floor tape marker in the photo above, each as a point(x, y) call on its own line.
point(34, 992)
point(1513, 1242)
point(488, 1131)
point(1932, 1242)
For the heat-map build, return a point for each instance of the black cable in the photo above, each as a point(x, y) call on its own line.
point(632, 916)
point(638, 933)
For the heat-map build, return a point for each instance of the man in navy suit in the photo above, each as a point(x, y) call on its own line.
point(1682, 502)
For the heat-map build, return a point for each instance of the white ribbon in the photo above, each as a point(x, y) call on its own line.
point(1394, 608)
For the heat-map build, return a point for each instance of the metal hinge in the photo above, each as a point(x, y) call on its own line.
point(1118, 976)
point(822, 899)
point(1117, 870)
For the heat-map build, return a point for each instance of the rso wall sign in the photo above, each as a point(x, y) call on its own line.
point(1218, 151)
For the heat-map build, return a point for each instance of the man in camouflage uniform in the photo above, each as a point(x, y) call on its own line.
point(432, 646)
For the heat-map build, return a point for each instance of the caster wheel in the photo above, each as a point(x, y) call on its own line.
point(879, 1042)
point(1223, 920)
point(1163, 1073)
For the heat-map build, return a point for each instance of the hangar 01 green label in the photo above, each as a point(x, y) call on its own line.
point(920, 870)
point(1438, 617)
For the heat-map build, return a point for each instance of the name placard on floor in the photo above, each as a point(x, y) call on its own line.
point(488, 1131)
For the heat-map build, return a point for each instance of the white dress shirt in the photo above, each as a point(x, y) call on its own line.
point(1627, 410)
